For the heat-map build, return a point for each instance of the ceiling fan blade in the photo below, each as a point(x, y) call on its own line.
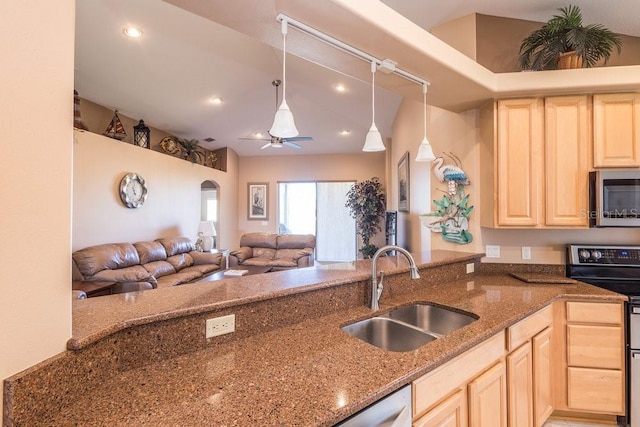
point(291, 144)
point(267, 145)
point(298, 138)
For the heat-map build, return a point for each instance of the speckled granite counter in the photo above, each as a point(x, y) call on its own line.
point(304, 371)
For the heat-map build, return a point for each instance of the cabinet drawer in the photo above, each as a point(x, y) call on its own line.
point(595, 346)
point(525, 329)
point(589, 312)
point(596, 390)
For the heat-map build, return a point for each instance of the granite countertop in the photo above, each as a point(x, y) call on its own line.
point(308, 373)
point(96, 318)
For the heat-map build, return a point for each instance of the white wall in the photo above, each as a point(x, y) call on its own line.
point(173, 205)
point(36, 83)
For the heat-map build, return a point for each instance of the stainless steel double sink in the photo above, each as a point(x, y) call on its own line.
point(407, 328)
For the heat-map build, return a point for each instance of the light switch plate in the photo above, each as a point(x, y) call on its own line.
point(526, 252)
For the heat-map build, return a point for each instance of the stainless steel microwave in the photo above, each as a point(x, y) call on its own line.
point(614, 198)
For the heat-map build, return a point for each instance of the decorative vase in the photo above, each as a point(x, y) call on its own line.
point(569, 60)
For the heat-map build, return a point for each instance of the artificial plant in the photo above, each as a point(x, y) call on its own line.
point(565, 33)
point(367, 203)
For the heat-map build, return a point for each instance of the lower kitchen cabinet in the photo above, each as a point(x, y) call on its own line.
point(520, 374)
point(542, 388)
point(450, 413)
point(466, 390)
point(590, 369)
point(528, 369)
point(488, 398)
point(568, 356)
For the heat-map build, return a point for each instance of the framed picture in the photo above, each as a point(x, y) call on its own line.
point(403, 183)
point(258, 206)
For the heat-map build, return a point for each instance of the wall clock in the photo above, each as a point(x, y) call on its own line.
point(133, 190)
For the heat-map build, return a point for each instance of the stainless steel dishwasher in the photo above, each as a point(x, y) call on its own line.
point(393, 410)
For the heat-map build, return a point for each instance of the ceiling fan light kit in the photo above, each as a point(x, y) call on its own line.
point(425, 152)
point(283, 123)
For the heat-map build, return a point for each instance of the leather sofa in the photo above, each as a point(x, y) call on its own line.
point(160, 263)
point(278, 251)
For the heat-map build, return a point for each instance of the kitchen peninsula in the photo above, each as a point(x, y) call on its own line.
point(143, 359)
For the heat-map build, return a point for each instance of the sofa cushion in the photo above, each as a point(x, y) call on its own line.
point(296, 241)
point(109, 256)
point(159, 268)
point(292, 253)
point(180, 261)
point(135, 273)
point(201, 269)
point(242, 254)
point(176, 245)
point(259, 240)
point(283, 262)
point(178, 278)
point(200, 258)
point(150, 251)
point(262, 262)
point(263, 253)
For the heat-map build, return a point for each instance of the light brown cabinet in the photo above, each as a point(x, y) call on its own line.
point(616, 122)
point(535, 162)
point(542, 389)
point(528, 369)
point(450, 413)
point(567, 356)
point(464, 391)
point(590, 369)
point(488, 398)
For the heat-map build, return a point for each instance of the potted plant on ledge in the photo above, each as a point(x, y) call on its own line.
point(563, 42)
point(366, 203)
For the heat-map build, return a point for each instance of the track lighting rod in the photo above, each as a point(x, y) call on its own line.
point(345, 47)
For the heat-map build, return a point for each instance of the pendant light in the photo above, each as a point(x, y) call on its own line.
point(373, 142)
point(283, 124)
point(425, 152)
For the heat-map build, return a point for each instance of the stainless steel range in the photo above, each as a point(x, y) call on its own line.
point(616, 268)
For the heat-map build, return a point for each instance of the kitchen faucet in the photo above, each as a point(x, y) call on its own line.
point(376, 287)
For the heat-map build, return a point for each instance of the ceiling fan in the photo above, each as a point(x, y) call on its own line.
point(277, 142)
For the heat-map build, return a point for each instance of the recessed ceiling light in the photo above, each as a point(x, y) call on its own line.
point(133, 32)
point(341, 88)
point(345, 132)
point(216, 101)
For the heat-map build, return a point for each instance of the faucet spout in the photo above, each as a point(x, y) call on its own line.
point(376, 288)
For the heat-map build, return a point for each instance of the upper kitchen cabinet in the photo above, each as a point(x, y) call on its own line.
point(616, 125)
point(535, 162)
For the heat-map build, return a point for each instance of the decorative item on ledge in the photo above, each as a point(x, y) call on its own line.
point(115, 129)
point(142, 135)
point(190, 149)
point(563, 42)
point(77, 120)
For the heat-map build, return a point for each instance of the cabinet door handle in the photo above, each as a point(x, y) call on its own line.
point(635, 310)
point(635, 355)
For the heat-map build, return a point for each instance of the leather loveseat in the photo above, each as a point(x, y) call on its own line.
point(278, 251)
point(143, 265)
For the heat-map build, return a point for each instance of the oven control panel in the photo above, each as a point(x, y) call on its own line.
point(602, 255)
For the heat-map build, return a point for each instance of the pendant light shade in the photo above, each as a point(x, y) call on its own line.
point(425, 152)
point(283, 124)
point(373, 142)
